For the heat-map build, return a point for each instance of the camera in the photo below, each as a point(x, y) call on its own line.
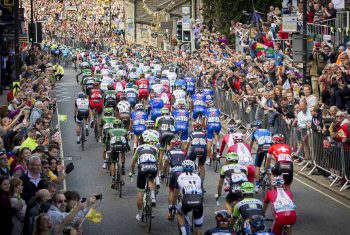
point(98, 196)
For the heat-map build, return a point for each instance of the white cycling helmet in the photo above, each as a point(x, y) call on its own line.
point(238, 136)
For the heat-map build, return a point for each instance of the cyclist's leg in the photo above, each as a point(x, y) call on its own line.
point(141, 182)
point(152, 187)
point(181, 212)
point(122, 158)
point(78, 129)
point(136, 140)
point(258, 162)
point(210, 135)
point(201, 165)
point(198, 218)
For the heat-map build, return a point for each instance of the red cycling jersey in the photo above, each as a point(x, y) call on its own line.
point(283, 208)
point(142, 83)
point(228, 139)
point(280, 152)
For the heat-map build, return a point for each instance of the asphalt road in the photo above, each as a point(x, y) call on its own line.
point(319, 210)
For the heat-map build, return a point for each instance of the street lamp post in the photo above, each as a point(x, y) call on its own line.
point(304, 40)
point(32, 27)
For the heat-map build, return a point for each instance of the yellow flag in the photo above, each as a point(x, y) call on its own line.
point(94, 216)
point(332, 29)
point(347, 31)
point(339, 29)
point(62, 117)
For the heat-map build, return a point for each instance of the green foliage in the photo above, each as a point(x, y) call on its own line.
point(220, 13)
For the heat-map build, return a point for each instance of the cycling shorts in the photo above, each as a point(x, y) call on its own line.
point(184, 128)
point(283, 167)
point(96, 104)
point(260, 155)
point(155, 113)
point(143, 94)
point(132, 101)
point(282, 219)
point(197, 110)
point(165, 138)
point(81, 115)
point(138, 129)
point(114, 156)
point(173, 179)
point(145, 169)
point(211, 128)
point(199, 152)
point(197, 213)
point(234, 196)
point(190, 90)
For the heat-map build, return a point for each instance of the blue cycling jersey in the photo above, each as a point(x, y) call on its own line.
point(156, 103)
point(180, 82)
point(190, 84)
point(262, 136)
point(181, 117)
point(213, 115)
point(138, 122)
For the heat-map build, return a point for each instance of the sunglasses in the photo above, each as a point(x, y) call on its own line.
point(339, 116)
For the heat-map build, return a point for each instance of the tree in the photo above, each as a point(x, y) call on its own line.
point(220, 13)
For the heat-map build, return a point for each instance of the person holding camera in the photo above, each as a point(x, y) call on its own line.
point(318, 62)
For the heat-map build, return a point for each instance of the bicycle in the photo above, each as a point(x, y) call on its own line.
point(146, 205)
point(117, 181)
point(95, 121)
point(265, 182)
point(214, 158)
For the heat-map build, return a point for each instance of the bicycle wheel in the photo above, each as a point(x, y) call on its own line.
point(148, 212)
point(82, 140)
point(96, 126)
point(118, 181)
point(216, 162)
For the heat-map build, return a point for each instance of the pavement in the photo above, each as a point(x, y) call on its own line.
point(320, 210)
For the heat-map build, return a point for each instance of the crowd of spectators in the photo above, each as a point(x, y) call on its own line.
point(31, 168)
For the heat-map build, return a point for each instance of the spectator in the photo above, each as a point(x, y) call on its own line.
point(340, 130)
point(318, 17)
point(347, 51)
point(43, 224)
point(318, 62)
point(317, 120)
point(16, 188)
point(329, 54)
point(22, 162)
point(36, 112)
point(304, 118)
point(330, 11)
point(4, 169)
point(31, 141)
point(311, 99)
point(31, 177)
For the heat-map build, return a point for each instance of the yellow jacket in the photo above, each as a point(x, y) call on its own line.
point(59, 69)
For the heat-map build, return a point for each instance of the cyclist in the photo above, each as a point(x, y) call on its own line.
point(150, 129)
point(81, 111)
point(155, 105)
point(196, 143)
point(123, 108)
point(233, 175)
point(131, 93)
point(283, 207)
point(181, 116)
point(165, 125)
point(250, 209)
point(117, 137)
point(190, 85)
point(280, 160)
point(59, 71)
point(84, 66)
point(166, 97)
point(146, 157)
point(173, 158)
point(110, 97)
point(223, 221)
point(88, 84)
point(264, 140)
point(208, 93)
point(213, 124)
point(189, 184)
point(197, 104)
point(179, 92)
point(143, 88)
point(137, 125)
point(106, 123)
point(96, 104)
point(228, 138)
point(244, 152)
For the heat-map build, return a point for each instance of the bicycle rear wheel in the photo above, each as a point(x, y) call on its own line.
point(216, 162)
point(96, 125)
point(148, 213)
point(82, 141)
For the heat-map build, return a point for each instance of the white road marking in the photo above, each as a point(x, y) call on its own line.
point(330, 197)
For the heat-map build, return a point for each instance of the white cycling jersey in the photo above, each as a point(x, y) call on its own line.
point(123, 106)
point(189, 183)
point(82, 104)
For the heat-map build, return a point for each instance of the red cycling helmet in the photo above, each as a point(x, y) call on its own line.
point(175, 142)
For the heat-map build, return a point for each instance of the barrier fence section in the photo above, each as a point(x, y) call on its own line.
point(332, 160)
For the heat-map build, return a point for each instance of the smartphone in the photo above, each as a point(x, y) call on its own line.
point(83, 200)
point(98, 197)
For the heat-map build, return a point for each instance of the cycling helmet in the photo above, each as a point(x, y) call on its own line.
point(278, 138)
point(175, 142)
point(223, 217)
point(81, 95)
point(164, 111)
point(196, 125)
point(277, 182)
point(231, 128)
point(109, 111)
point(123, 96)
point(188, 166)
point(247, 188)
point(232, 157)
point(139, 107)
point(110, 87)
point(238, 136)
point(117, 123)
point(150, 138)
point(257, 223)
point(257, 123)
point(209, 103)
point(149, 123)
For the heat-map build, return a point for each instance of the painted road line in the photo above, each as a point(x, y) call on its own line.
point(317, 190)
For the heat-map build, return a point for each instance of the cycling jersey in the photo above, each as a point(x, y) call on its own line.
point(234, 175)
point(198, 105)
point(138, 122)
point(181, 122)
point(156, 105)
point(106, 123)
point(247, 208)
point(179, 94)
point(262, 136)
point(166, 97)
point(180, 82)
point(227, 140)
point(143, 85)
point(190, 85)
point(96, 101)
point(157, 88)
point(220, 231)
point(175, 156)
point(208, 94)
point(282, 161)
point(146, 156)
point(118, 141)
point(131, 95)
point(283, 208)
point(82, 105)
point(198, 146)
point(123, 107)
point(110, 98)
point(213, 122)
point(165, 125)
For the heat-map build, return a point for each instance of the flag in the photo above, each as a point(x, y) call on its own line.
point(259, 47)
point(62, 117)
point(94, 216)
point(262, 47)
point(286, 85)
